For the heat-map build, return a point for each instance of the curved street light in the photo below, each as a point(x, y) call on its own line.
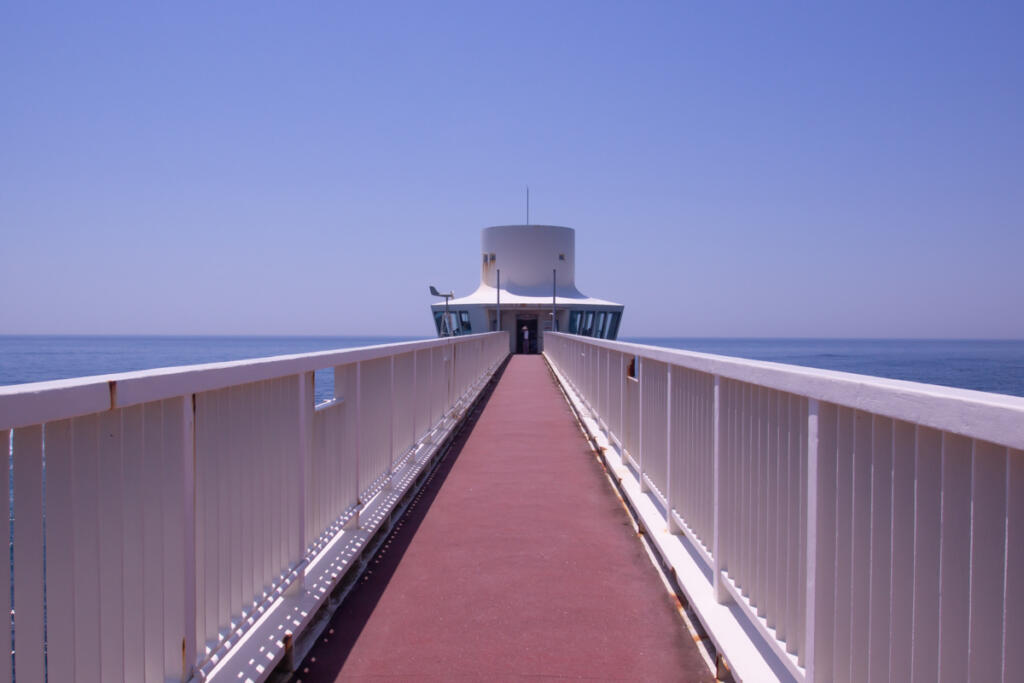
point(446, 330)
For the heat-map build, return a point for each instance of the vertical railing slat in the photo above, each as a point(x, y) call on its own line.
point(954, 558)
point(242, 417)
point(135, 498)
point(670, 494)
point(177, 590)
point(775, 612)
point(186, 494)
point(305, 399)
point(234, 458)
point(28, 552)
point(821, 477)
point(745, 478)
point(6, 666)
point(785, 529)
point(759, 527)
point(153, 546)
point(844, 544)
point(988, 522)
point(880, 601)
point(111, 544)
point(199, 512)
point(206, 493)
point(220, 426)
point(60, 552)
point(1013, 590)
point(927, 524)
point(718, 476)
point(902, 572)
point(862, 442)
point(815, 460)
point(800, 424)
point(85, 477)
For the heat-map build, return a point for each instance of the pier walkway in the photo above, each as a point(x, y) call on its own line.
point(517, 560)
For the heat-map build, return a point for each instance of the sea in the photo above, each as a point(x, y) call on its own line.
point(993, 365)
point(39, 358)
point(982, 365)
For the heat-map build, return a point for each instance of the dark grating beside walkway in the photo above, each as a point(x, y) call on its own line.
point(516, 561)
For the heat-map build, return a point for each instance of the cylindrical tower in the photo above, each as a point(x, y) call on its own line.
point(537, 293)
point(527, 255)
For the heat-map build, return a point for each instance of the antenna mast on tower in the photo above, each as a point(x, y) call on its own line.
point(527, 204)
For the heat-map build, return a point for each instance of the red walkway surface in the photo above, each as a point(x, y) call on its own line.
point(516, 561)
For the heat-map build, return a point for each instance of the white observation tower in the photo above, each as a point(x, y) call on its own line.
point(528, 273)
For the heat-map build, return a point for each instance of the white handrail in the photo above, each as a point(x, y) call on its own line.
point(861, 528)
point(37, 402)
point(194, 513)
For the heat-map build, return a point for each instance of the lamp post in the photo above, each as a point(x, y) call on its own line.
point(554, 289)
point(445, 327)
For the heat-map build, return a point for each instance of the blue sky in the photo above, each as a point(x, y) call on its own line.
point(793, 169)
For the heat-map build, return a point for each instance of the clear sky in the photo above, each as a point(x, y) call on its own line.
point(757, 169)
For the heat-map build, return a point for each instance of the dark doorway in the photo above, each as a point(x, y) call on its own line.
point(526, 342)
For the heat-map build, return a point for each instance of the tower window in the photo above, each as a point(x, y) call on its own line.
point(561, 257)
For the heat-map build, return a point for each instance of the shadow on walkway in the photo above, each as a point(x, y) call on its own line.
point(348, 622)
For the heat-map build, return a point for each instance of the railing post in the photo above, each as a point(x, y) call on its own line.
point(358, 439)
point(391, 421)
point(415, 395)
point(305, 457)
point(188, 455)
point(721, 594)
point(640, 424)
point(449, 359)
point(430, 391)
point(623, 393)
point(669, 490)
point(812, 538)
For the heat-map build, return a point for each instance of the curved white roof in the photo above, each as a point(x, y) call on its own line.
point(528, 258)
point(489, 295)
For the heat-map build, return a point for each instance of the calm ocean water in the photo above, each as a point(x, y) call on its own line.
point(972, 364)
point(982, 365)
point(41, 358)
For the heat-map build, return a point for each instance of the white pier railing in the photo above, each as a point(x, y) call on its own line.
point(181, 520)
point(824, 526)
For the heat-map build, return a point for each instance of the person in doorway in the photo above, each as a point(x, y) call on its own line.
point(526, 340)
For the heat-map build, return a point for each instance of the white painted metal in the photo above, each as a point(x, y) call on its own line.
point(954, 558)
point(864, 529)
point(111, 545)
point(1013, 590)
point(60, 558)
point(528, 255)
point(403, 391)
point(184, 505)
point(927, 517)
point(153, 563)
point(987, 564)
point(902, 607)
point(6, 669)
point(654, 425)
point(85, 476)
point(28, 555)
